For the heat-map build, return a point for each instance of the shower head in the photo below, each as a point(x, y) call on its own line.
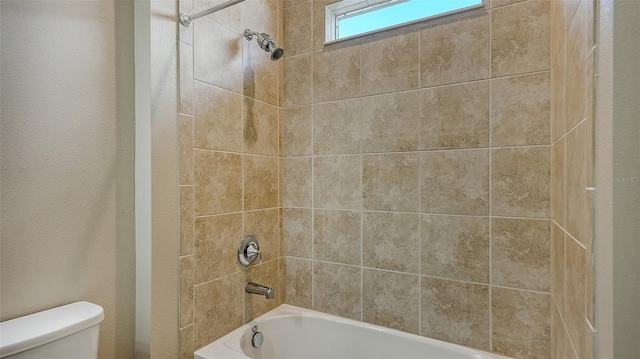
point(266, 42)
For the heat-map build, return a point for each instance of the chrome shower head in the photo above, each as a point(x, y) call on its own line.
point(266, 42)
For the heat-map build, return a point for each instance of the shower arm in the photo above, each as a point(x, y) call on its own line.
point(186, 19)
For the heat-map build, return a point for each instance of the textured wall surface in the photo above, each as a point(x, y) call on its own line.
point(67, 141)
point(417, 175)
point(229, 168)
point(572, 54)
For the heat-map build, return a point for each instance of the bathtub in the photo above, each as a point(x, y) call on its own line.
point(295, 333)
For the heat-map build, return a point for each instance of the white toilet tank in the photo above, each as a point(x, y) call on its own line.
point(67, 332)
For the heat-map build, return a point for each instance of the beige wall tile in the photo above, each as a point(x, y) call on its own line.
point(571, 6)
point(264, 225)
point(336, 289)
point(186, 340)
point(558, 333)
point(287, 3)
point(520, 110)
point(216, 308)
point(216, 47)
point(260, 182)
point(337, 182)
point(557, 27)
point(296, 131)
point(455, 312)
point(520, 39)
point(557, 181)
point(391, 241)
point(558, 121)
point(520, 182)
point(498, 3)
point(391, 63)
point(337, 127)
point(186, 78)
point(336, 72)
point(297, 29)
point(576, 182)
point(455, 116)
point(297, 182)
point(186, 33)
point(391, 299)
point(454, 52)
point(186, 149)
point(575, 311)
point(298, 282)
point(455, 182)
point(230, 17)
point(186, 220)
point(455, 247)
point(569, 353)
point(390, 182)
point(217, 182)
point(261, 128)
point(297, 232)
point(296, 80)
point(558, 266)
point(520, 253)
point(186, 291)
point(336, 236)
point(576, 58)
point(521, 323)
point(390, 122)
point(589, 125)
point(319, 23)
point(216, 243)
point(265, 274)
point(218, 118)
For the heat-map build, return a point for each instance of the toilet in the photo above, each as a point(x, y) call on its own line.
point(66, 332)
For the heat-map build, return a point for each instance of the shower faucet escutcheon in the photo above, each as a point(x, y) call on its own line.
point(248, 252)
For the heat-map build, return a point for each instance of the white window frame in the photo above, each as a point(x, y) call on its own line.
point(336, 10)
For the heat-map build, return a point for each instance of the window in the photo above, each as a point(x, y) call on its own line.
point(352, 18)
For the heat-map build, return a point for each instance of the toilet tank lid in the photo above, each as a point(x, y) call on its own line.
point(24, 333)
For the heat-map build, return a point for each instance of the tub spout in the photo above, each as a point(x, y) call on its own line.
point(254, 288)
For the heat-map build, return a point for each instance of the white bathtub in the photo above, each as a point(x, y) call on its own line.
point(295, 333)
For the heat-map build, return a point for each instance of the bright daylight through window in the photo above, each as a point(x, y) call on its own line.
point(349, 18)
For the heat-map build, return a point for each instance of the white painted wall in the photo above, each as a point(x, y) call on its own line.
point(67, 162)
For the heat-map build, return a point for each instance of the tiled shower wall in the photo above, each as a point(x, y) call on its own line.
point(417, 172)
point(573, 53)
point(229, 168)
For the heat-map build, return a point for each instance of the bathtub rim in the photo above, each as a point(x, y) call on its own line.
point(225, 348)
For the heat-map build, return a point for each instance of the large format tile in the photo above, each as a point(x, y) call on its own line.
point(216, 47)
point(217, 118)
point(558, 334)
point(520, 253)
point(336, 73)
point(296, 131)
point(297, 232)
point(390, 182)
point(390, 122)
point(390, 241)
point(521, 323)
point(260, 182)
point(186, 291)
point(336, 236)
point(455, 247)
point(558, 121)
point(186, 79)
point(230, 18)
point(265, 226)
point(575, 311)
point(336, 289)
point(455, 116)
point(520, 110)
point(337, 182)
point(261, 128)
point(298, 282)
point(297, 182)
point(216, 308)
point(575, 72)
point(217, 182)
point(455, 52)
point(186, 339)
point(186, 220)
point(520, 182)
point(297, 80)
point(216, 242)
point(391, 63)
point(455, 312)
point(520, 38)
point(297, 29)
point(391, 300)
point(576, 182)
point(186, 149)
point(455, 182)
point(337, 127)
point(558, 266)
point(558, 181)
